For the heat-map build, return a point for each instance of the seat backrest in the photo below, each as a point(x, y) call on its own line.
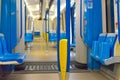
point(3, 43)
point(52, 35)
point(96, 44)
point(104, 51)
point(63, 35)
point(102, 37)
point(111, 39)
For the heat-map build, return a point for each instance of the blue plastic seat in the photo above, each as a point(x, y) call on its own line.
point(103, 48)
point(107, 48)
point(52, 37)
point(37, 33)
point(29, 36)
point(111, 39)
point(63, 36)
point(96, 44)
point(7, 58)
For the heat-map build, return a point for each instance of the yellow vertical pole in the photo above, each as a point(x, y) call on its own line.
point(63, 58)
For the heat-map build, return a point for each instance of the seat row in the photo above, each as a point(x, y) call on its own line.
point(104, 49)
point(7, 58)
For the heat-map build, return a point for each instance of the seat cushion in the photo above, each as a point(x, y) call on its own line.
point(19, 57)
point(29, 37)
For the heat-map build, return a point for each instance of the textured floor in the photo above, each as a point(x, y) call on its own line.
point(40, 53)
point(45, 67)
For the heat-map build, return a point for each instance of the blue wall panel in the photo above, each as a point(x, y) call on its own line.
point(13, 23)
point(5, 25)
point(88, 22)
point(9, 23)
point(92, 27)
point(92, 21)
point(97, 20)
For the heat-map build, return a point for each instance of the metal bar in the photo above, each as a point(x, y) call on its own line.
point(68, 32)
point(41, 67)
point(58, 32)
point(30, 68)
point(52, 67)
point(26, 68)
point(21, 19)
point(38, 68)
point(72, 23)
point(49, 68)
point(81, 19)
point(48, 22)
point(25, 18)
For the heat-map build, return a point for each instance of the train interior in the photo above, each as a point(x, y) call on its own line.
point(59, 40)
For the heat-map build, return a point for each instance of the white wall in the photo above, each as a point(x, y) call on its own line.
point(21, 46)
point(38, 24)
point(81, 52)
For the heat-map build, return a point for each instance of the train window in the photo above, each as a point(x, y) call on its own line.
point(115, 16)
point(73, 23)
point(111, 16)
point(64, 20)
point(62, 23)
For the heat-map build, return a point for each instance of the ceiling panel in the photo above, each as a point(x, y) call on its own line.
point(34, 7)
point(36, 12)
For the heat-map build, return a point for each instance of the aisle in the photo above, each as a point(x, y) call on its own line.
point(73, 76)
point(39, 51)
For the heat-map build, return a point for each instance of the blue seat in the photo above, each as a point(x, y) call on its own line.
point(29, 36)
point(63, 36)
point(104, 48)
point(7, 58)
point(37, 33)
point(111, 39)
point(52, 37)
point(107, 48)
point(96, 45)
